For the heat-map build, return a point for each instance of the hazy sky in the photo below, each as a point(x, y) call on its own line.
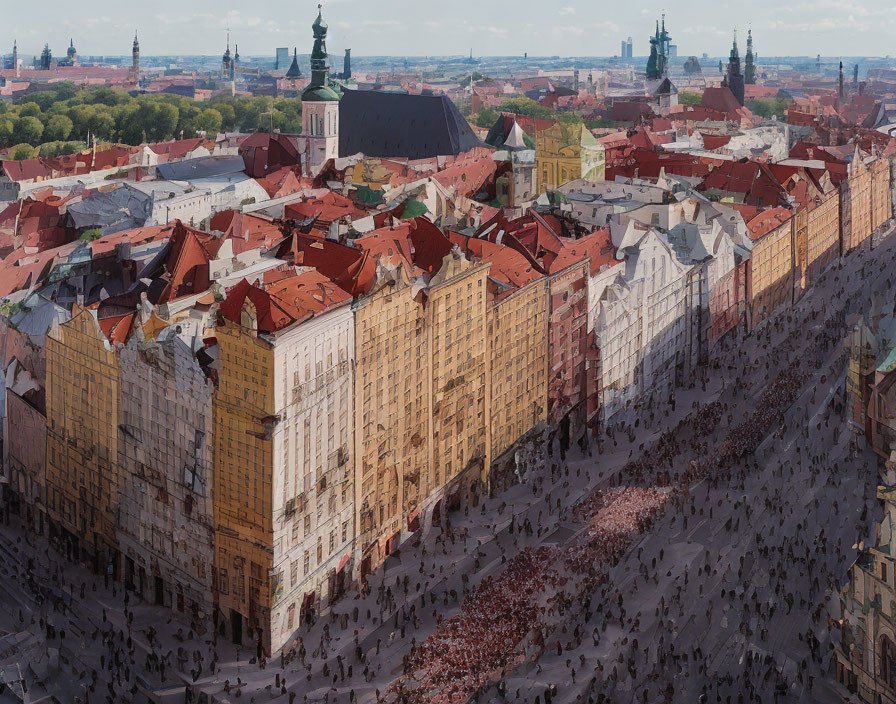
point(428, 27)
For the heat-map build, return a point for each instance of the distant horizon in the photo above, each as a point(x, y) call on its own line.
point(337, 58)
point(500, 28)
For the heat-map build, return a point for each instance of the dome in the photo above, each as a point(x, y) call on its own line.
point(319, 94)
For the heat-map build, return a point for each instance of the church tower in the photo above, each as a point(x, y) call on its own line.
point(135, 56)
point(841, 91)
point(46, 58)
point(227, 62)
point(749, 59)
point(320, 105)
point(734, 79)
point(657, 64)
point(72, 53)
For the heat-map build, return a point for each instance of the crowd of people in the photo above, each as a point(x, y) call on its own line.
point(468, 649)
point(479, 645)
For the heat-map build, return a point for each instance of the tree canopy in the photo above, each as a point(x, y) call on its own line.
point(65, 113)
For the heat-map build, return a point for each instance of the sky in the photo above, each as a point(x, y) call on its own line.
point(440, 27)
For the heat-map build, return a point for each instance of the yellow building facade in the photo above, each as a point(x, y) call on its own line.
point(823, 234)
point(83, 476)
point(456, 312)
point(881, 204)
point(771, 266)
point(859, 203)
point(421, 409)
point(392, 368)
point(243, 411)
point(565, 153)
point(518, 363)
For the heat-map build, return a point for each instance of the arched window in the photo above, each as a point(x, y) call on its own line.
point(888, 662)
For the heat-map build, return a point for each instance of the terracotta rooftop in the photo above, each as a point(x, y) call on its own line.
point(766, 221)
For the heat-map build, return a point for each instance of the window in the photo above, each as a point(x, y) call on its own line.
point(306, 563)
point(293, 573)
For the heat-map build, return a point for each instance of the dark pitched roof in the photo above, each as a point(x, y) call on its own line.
point(721, 99)
point(382, 124)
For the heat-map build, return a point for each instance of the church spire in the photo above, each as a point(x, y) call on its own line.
point(841, 93)
point(319, 88)
point(734, 78)
point(749, 61)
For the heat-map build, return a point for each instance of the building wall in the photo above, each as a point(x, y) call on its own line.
point(618, 334)
point(772, 272)
point(567, 339)
point(421, 416)
point(320, 123)
point(881, 206)
point(660, 282)
point(166, 523)
point(243, 406)
point(869, 608)
point(459, 412)
point(392, 425)
point(83, 479)
point(860, 204)
point(558, 156)
point(313, 493)
point(823, 235)
point(800, 252)
point(845, 216)
point(27, 452)
point(518, 362)
point(724, 309)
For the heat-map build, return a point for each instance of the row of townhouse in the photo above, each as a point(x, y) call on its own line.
point(241, 452)
point(242, 449)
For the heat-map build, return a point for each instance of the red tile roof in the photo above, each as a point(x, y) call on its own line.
point(766, 221)
point(187, 264)
point(117, 329)
point(507, 265)
point(751, 179)
point(327, 209)
point(598, 245)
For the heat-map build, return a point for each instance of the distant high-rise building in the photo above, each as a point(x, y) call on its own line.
point(282, 57)
point(673, 51)
point(623, 49)
point(628, 48)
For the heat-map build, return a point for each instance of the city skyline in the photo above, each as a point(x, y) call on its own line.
point(502, 29)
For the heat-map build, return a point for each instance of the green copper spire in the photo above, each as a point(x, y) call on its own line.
point(320, 69)
point(319, 89)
